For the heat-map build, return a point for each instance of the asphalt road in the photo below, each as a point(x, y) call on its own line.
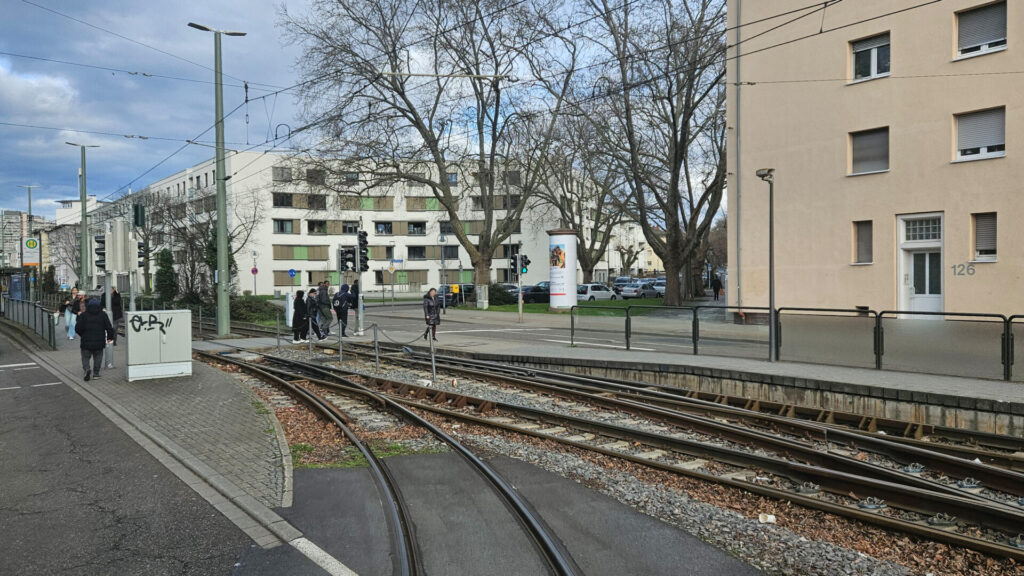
point(78, 496)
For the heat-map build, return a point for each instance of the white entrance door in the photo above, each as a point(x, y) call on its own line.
point(925, 285)
point(920, 263)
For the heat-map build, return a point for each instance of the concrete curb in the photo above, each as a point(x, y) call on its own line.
point(287, 492)
point(258, 521)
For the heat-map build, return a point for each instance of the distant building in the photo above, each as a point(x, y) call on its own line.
point(897, 144)
point(13, 227)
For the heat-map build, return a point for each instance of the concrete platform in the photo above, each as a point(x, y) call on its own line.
point(464, 529)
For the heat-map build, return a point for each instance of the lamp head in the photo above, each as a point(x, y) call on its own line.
point(766, 174)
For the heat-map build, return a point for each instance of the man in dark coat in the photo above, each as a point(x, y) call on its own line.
point(96, 331)
point(300, 322)
point(323, 306)
point(311, 310)
point(342, 302)
point(716, 286)
point(432, 313)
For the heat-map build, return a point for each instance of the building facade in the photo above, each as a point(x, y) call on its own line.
point(289, 224)
point(896, 134)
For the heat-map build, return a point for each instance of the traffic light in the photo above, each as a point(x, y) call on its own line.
point(141, 254)
point(346, 255)
point(99, 243)
point(138, 215)
point(524, 263)
point(363, 259)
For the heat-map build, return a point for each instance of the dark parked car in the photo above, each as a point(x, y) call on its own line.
point(532, 294)
point(466, 292)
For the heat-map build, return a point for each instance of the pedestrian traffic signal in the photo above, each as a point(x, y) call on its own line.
point(364, 252)
point(100, 249)
point(138, 215)
point(142, 253)
point(346, 258)
point(524, 263)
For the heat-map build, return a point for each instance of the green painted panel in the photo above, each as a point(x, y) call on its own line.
point(467, 277)
point(301, 253)
point(335, 278)
point(297, 281)
point(402, 277)
point(433, 204)
point(366, 203)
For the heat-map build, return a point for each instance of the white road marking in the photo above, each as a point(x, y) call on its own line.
point(47, 384)
point(16, 365)
point(29, 368)
point(11, 388)
point(602, 345)
point(495, 330)
point(321, 558)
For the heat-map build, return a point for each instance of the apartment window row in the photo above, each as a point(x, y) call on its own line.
point(432, 252)
point(979, 30)
point(983, 230)
point(400, 228)
point(979, 135)
point(288, 226)
point(301, 201)
point(383, 277)
point(316, 176)
point(296, 252)
point(503, 202)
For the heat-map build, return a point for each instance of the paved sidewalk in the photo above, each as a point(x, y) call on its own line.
point(211, 415)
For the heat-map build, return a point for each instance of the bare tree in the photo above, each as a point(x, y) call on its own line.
point(64, 247)
point(365, 64)
point(628, 255)
point(665, 127)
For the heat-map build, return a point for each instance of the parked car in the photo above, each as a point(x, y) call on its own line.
point(533, 294)
point(466, 292)
point(639, 290)
point(510, 287)
point(620, 282)
point(659, 287)
point(591, 292)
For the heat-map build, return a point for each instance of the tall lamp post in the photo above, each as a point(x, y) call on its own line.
point(442, 240)
point(83, 241)
point(223, 281)
point(35, 275)
point(768, 175)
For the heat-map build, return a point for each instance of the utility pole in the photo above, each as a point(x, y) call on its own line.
point(83, 255)
point(32, 284)
point(223, 280)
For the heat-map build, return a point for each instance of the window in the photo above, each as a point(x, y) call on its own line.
point(870, 151)
point(982, 29)
point(871, 57)
point(351, 177)
point(417, 253)
point(414, 183)
point(349, 227)
point(862, 240)
point(981, 134)
point(282, 226)
point(924, 229)
point(316, 226)
point(512, 202)
point(985, 236)
point(450, 252)
point(382, 228)
point(316, 176)
point(316, 202)
point(417, 228)
point(512, 177)
point(476, 202)
point(281, 174)
point(453, 177)
point(282, 200)
point(446, 227)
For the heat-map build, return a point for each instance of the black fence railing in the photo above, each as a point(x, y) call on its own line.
point(949, 343)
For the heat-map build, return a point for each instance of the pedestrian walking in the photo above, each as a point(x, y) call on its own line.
point(117, 309)
point(432, 312)
point(342, 303)
point(323, 302)
point(67, 308)
point(300, 321)
point(311, 312)
point(96, 331)
point(716, 286)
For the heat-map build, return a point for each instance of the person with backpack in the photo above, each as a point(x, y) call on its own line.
point(312, 305)
point(342, 301)
point(300, 321)
point(96, 331)
point(323, 307)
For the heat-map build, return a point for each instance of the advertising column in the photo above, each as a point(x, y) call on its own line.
point(562, 261)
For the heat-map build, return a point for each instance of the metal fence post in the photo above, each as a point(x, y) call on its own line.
point(1007, 355)
point(629, 327)
point(572, 326)
point(696, 331)
point(433, 363)
point(376, 348)
point(778, 334)
point(879, 341)
point(277, 331)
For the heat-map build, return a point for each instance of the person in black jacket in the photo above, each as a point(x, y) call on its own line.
point(312, 308)
point(96, 331)
point(432, 312)
point(300, 321)
point(342, 302)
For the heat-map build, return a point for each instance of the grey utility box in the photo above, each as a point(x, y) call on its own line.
point(159, 344)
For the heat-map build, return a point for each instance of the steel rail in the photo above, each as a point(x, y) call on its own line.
point(921, 501)
point(560, 562)
point(409, 561)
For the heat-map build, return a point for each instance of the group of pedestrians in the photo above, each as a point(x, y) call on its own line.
point(312, 311)
point(88, 319)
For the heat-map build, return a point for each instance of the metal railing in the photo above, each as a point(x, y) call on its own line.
point(32, 315)
point(950, 343)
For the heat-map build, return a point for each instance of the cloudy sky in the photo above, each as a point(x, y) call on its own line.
point(72, 97)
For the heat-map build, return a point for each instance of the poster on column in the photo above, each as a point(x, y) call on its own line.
point(562, 267)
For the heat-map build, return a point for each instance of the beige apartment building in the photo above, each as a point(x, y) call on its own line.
point(896, 132)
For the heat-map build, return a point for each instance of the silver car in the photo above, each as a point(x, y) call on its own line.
point(639, 290)
point(591, 292)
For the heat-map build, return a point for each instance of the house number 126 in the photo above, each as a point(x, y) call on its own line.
point(963, 269)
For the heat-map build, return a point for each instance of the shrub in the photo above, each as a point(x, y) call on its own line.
point(497, 295)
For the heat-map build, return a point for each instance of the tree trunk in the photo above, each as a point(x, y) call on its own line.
point(673, 289)
point(588, 275)
point(482, 270)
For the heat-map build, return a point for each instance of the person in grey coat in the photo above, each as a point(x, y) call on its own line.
point(432, 313)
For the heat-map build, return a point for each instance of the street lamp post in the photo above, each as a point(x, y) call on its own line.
point(442, 240)
point(223, 281)
point(83, 241)
point(768, 175)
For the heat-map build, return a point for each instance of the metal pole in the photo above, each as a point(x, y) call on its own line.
point(519, 291)
point(200, 321)
point(339, 339)
point(433, 364)
point(772, 352)
point(109, 351)
point(277, 332)
point(309, 322)
point(359, 280)
point(84, 240)
point(444, 290)
point(376, 347)
point(223, 281)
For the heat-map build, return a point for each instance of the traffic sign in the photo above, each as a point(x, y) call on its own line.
point(391, 268)
point(397, 261)
point(292, 272)
point(256, 271)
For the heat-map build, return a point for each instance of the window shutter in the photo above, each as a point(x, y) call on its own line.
point(871, 151)
point(985, 232)
point(864, 243)
point(982, 25)
point(979, 129)
point(366, 203)
point(869, 43)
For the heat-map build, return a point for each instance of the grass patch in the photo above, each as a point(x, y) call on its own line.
point(260, 408)
point(350, 457)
